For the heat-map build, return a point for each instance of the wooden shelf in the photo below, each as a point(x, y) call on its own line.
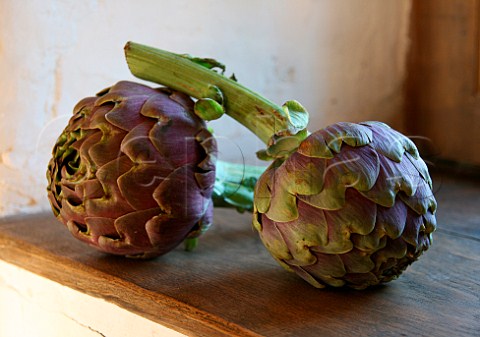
point(230, 286)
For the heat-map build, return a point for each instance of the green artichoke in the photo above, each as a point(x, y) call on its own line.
point(352, 206)
point(133, 172)
point(348, 205)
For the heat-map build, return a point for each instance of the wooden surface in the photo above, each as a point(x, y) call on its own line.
point(443, 82)
point(231, 287)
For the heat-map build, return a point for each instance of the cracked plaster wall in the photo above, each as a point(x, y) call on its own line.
point(343, 59)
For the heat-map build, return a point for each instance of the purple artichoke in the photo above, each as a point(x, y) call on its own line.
point(352, 206)
point(133, 172)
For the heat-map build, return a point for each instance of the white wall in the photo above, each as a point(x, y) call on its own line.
point(343, 59)
point(33, 306)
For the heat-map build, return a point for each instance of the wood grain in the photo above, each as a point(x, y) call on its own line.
point(230, 286)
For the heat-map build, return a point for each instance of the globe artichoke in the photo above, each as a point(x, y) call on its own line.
point(133, 172)
point(352, 206)
point(348, 205)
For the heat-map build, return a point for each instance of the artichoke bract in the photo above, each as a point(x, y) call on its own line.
point(352, 206)
point(133, 172)
point(348, 205)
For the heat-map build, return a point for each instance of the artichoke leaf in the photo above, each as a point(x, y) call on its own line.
point(300, 235)
point(395, 249)
point(121, 114)
point(204, 223)
point(421, 167)
point(124, 89)
point(273, 239)
point(422, 201)
point(361, 280)
point(176, 144)
point(255, 220)
point(160, 109)
point(282, 147)
point(89, 189)
point(164, 229)
point(98, 226)
point(263, 155)
point(331, 281)
point(106, 149)
point(390, 143)
point(181, 98)
point(393, 177)
point(353, 167)
point(358, 215)
point(413, 225)
point(357, 261)
point(94, 138)
point(331, 197)
point(283, 205)
point(112, 204)
point(137, 146)
point(131, 226)
point(138, 184)
point(392, 220)
point(83, 106)
point(206, 140)
point(305, 174)
point(315, 146)
point(370, 243)
point(180, 195)
point(348, 133)
point(338, 239)
point(430, 222)
point(262, 192)
point(208, 164)
point(327, 267)
point(306, 276)
point(297, 116)
point(205, 180)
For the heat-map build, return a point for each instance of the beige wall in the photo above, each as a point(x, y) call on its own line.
point(33, 306)
point(343, 59)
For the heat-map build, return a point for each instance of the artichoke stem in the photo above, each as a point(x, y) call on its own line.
point(234, 185)
point(190, 244)
point(179, 72)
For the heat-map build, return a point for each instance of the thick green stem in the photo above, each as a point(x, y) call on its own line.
point(234, 185)
point(178, 72)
